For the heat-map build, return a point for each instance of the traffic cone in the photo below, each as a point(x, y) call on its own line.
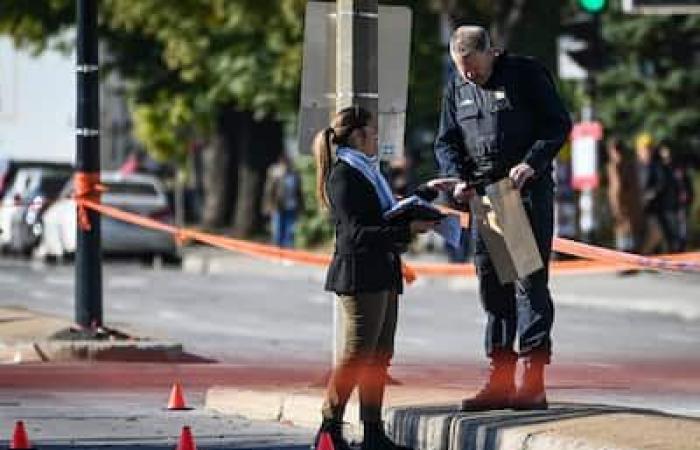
point(20, 440)
point(186, 440)
point(325, 442)
point(177, 399)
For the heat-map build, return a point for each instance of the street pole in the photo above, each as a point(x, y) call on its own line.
point(357, 83)
point(88, 258)
point(357, 54)
point(587, 218)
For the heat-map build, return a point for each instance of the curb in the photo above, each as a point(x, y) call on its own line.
point(31, 336)
point(45, 351)
point(565, 426)
point(300, 408)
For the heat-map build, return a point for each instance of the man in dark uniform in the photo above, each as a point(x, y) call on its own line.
point(501, 117)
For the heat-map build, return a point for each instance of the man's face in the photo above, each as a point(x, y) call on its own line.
point(475, 67)
point(644, 154)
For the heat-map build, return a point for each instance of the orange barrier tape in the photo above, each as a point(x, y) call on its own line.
point(603, 259)
point(666, 262)
point(86, 187)
point(246, 247)
point(591, 252)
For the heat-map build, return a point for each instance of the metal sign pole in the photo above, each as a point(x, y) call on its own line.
point(88, 258)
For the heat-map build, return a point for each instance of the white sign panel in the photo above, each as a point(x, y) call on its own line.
point(568, 68)
point(584, 154)
point(584, 163)
point(318, 79)
point(661, 7)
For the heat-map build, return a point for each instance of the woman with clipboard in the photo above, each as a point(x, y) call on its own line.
point(365, 271)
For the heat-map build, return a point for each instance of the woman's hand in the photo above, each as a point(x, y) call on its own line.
point(421, 226)
point(443, 184)
point(462, 192)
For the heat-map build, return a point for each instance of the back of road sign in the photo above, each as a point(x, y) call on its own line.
point(318, 87)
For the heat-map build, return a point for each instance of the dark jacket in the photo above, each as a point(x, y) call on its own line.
point(366, 257)
point(655, 186)
point(515, 117)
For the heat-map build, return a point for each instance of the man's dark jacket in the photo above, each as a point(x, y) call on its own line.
point(515, 117)
point(366, 257)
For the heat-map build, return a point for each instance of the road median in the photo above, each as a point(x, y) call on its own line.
point(428, 419)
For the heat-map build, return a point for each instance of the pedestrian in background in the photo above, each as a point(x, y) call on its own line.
point(670, 206)
point(365, 271)
point(682, 193)
point(623, 196)
point(502, 117)
point(652, 182)
point(283, 200)
point(686, 196)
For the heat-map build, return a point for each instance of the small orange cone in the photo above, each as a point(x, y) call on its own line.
point(325, 442)
point(20, 440)
point(186, 440)
point(177, 398)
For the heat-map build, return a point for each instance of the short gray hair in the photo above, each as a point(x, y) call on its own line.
point(467, 39)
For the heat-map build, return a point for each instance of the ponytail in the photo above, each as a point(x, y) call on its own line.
point(323, 155)
point(339, 133)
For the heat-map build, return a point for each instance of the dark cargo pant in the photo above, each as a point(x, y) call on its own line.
point(525, 306)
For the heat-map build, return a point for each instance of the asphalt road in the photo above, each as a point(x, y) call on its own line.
point(258, 310)
point(628, 341)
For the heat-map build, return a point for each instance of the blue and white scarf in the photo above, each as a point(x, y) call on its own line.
point(369, 166)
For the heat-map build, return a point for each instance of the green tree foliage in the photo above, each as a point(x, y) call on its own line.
point(195, 55)
point(652, 79)
point(314, 228)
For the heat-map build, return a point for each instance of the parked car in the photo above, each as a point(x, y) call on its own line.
point(10, 166)
point(140, 194)
point(32, 190)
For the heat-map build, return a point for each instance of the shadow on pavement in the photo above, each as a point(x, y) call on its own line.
point(482, 430)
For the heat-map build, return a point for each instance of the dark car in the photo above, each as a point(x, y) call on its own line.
point(32, 191)
point(10, 166)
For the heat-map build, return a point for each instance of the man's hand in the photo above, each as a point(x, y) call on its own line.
point(443, 184)
point(520, 174)
point(462, 193)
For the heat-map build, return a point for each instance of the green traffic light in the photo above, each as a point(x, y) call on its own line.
point(592, 6)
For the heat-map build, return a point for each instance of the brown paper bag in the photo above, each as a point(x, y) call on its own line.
point(505, 228)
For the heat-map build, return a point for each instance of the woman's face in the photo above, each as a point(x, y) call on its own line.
point(366, 140)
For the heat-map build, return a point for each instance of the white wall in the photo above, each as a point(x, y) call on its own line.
point(37, 104)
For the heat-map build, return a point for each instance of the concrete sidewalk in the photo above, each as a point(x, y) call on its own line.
point(427, 419)
point(30, 336)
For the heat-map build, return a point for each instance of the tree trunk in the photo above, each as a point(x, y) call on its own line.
point(235, 163)
point(219, 161)
point(259, 145)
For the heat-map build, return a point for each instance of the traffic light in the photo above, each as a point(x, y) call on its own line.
point(583, 41)
point(593, 6)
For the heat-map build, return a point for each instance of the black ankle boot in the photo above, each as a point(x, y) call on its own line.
point(334, 429)
point(499, 389)
point(376, 439)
